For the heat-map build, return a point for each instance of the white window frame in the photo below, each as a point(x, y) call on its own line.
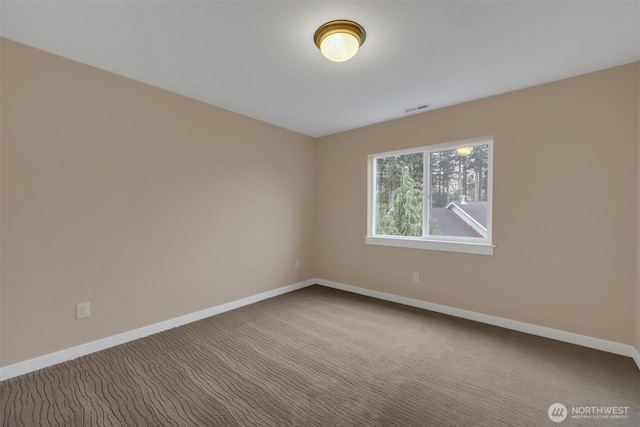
point(470, 245)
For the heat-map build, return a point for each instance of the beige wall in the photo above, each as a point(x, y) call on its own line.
point(637, 325)
point(145, 203)
point(151, 205)
point(565, 189)
point(1, 127)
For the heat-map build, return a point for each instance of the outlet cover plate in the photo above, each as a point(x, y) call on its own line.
point(83, 310)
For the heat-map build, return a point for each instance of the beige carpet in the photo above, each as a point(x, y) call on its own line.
point(321, 357)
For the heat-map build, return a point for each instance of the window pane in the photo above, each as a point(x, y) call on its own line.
point(399, 190)
point(459, 187)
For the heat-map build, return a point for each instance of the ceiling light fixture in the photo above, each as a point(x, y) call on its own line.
point(339, 40)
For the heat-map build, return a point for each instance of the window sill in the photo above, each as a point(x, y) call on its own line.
point(462, 247)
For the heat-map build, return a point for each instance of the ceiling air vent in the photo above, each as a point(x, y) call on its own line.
point(418, 108)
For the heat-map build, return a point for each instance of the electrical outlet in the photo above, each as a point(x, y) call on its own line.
point(416, 277)
point(83, 310)
point(296, 265)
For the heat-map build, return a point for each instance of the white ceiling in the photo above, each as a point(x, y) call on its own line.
point(259, 59)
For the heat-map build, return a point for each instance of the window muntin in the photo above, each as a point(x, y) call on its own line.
point(438, 193)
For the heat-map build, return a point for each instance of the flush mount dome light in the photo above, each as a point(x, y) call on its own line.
point(339, 40)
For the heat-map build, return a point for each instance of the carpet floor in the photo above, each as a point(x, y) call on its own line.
point(322, 357)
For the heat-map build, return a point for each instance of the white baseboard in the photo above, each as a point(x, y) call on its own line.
point(50, 359)
point(555, 334)
point(34, 364)
point(636, 356)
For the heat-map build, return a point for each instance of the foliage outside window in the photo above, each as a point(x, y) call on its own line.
point(437, 194)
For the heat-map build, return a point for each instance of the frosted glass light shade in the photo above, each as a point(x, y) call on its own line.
point(339, 47)
point(339, 40)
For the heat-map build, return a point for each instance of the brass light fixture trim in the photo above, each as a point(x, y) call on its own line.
point(340, 26)
point(339, 40)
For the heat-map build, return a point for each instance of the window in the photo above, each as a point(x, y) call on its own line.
point(435, 197)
